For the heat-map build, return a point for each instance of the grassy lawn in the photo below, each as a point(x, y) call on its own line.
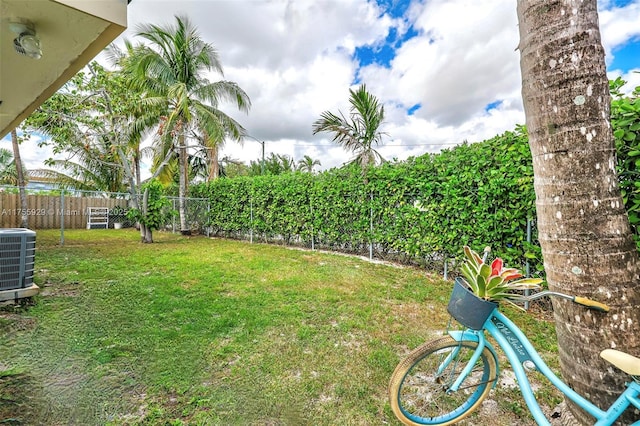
point(216, 332)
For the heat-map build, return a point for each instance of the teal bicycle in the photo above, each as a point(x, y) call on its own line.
point(445, 380)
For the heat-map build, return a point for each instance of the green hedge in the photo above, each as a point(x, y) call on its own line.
point(475, 194)
point(479, 194)
point(625, 121)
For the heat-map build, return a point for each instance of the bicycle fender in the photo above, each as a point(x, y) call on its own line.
point(460, 336)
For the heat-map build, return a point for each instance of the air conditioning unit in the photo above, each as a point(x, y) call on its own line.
point(17, 258)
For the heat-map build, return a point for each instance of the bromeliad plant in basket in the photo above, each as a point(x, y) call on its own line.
point(494, 282)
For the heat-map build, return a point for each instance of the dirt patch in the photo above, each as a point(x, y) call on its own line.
point(12, 322)
point(505, 407)
point(50, 289)
point(12, 395)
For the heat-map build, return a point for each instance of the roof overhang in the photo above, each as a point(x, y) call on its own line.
point(71, 32)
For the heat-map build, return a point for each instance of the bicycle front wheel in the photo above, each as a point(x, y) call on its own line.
point(419, 390)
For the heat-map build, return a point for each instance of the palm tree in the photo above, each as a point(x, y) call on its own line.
point(170, 68)
point(286, 163)
point(307, 164)
point(8, 174)
point(20, 174)
point(358, 133)
point(583, 228)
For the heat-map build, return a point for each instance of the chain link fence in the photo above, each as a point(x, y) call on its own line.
point(196, 213)
point(364, 228)
point(360, 226)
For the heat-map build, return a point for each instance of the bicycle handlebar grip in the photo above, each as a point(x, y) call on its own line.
point(591, 304)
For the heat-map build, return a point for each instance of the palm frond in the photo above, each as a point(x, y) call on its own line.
point(358, 133)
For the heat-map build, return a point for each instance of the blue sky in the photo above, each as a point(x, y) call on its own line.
point(627, 56)
point(384, 53)
point(446, 70)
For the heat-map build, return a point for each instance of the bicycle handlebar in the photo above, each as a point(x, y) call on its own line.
point(591, 304)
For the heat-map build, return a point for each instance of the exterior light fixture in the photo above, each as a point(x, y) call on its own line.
point(27, 43)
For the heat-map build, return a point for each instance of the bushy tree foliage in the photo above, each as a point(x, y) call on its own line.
point(155, 210)
point(625, 120)
point(92, 121)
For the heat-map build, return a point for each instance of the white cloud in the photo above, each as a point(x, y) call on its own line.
point(618, 26)
point(464, 61)
point(31, 154)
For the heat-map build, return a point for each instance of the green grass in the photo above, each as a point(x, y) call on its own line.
point(208, 331)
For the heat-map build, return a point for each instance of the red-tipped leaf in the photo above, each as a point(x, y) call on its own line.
point(496, 266)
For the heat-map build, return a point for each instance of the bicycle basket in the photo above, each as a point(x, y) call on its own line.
point(468, 309)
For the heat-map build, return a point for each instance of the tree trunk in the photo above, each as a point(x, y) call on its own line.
point(135, 185)
point(583, 228)
point(214, 167)
point(182, 190)
point(24, 220)
point(136, 166)
point(146, 234)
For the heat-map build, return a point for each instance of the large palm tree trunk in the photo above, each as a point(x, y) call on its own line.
point(583, 227)
point(182, 190)
point(214, 165)
point(24, 219)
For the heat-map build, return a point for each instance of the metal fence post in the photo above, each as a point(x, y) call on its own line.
point(173, 219)
point(61, 218)
point(251, 220)
point(313, 236)
point(371, 225)
point(209, 218)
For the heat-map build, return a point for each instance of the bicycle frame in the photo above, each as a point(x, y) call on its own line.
point(519, 351)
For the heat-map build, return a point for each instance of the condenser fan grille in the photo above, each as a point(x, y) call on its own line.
point(17, 258)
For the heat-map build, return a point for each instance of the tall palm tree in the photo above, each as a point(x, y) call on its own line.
point(307, 164)
point(583, 228)
point(20, 174)
point(359, 133)
point(171, 68)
